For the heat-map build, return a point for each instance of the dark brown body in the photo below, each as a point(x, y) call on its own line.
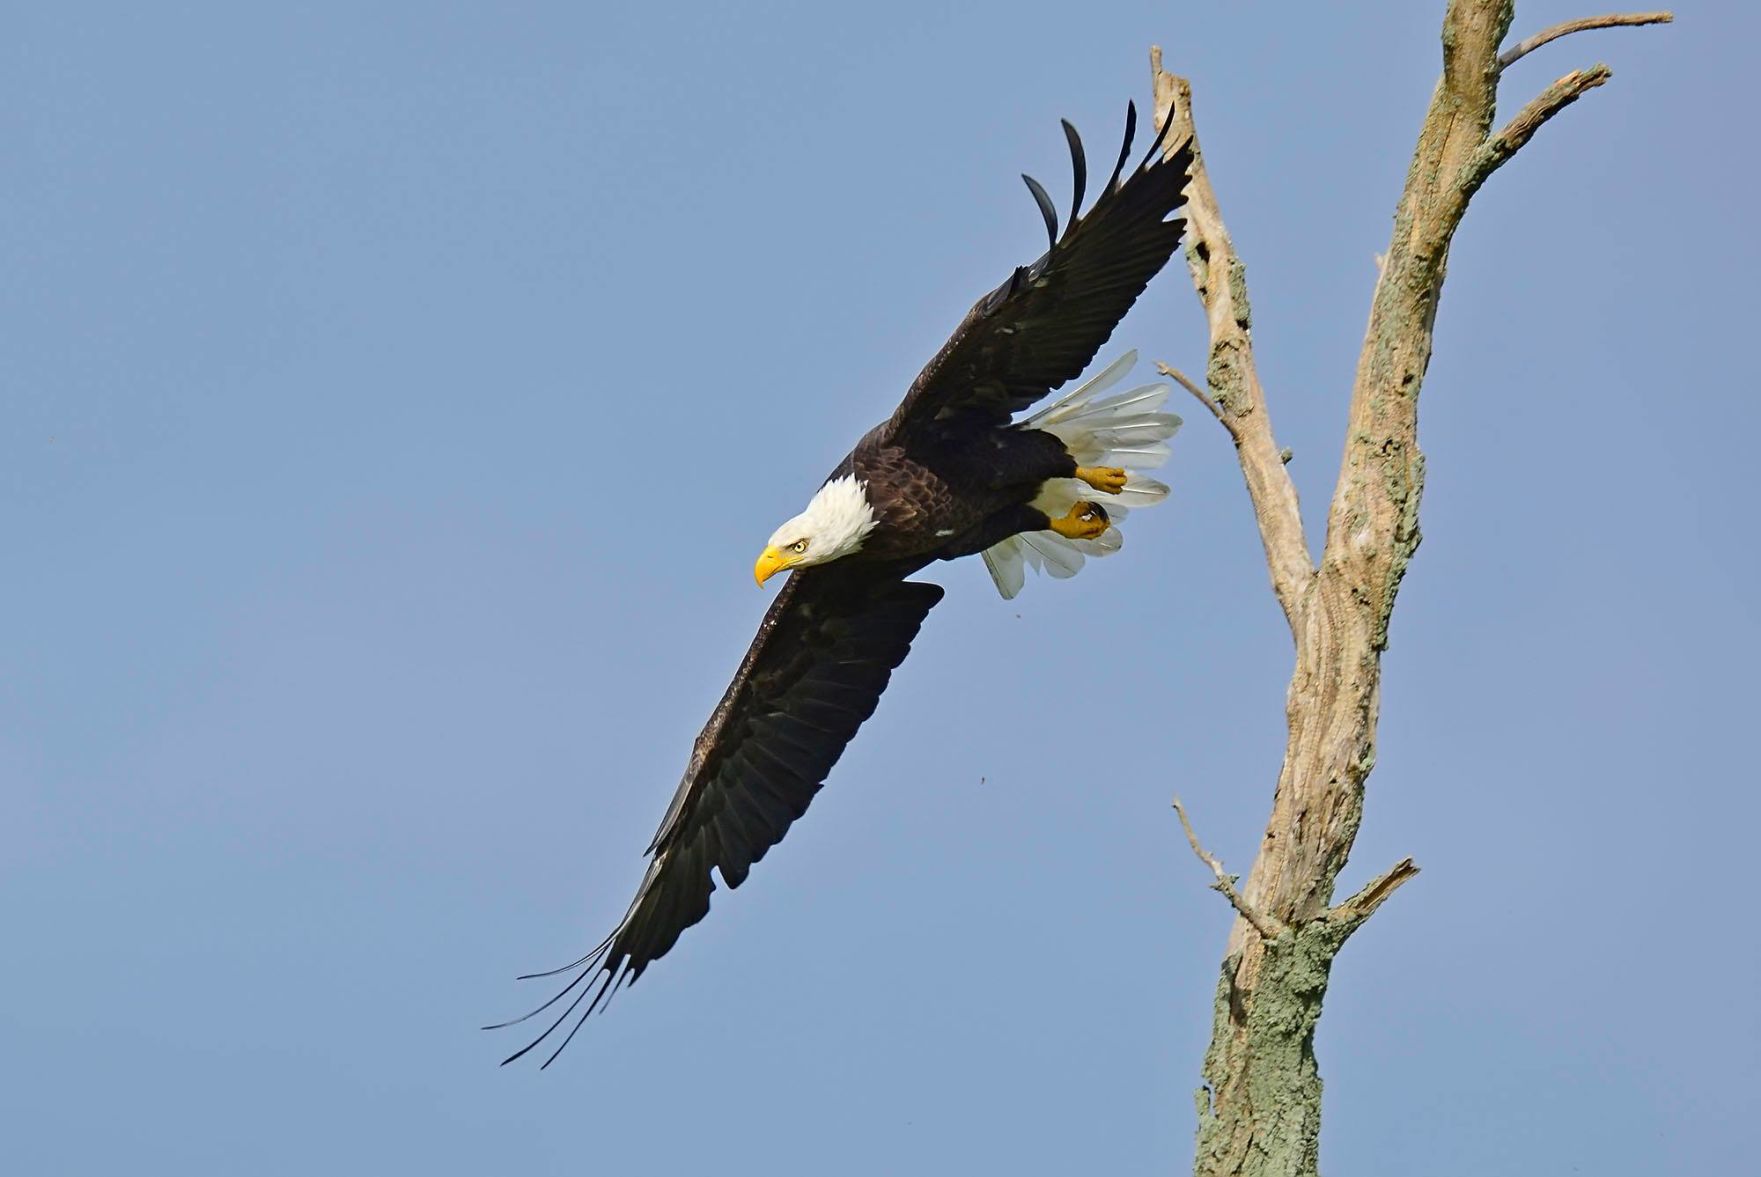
point(940, 501)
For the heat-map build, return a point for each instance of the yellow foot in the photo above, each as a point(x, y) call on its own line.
point(1106, 479)
point(1085, 521)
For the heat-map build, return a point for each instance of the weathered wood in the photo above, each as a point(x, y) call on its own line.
point(1260, 1106)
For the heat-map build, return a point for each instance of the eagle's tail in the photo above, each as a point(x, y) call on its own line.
point(1127, 430)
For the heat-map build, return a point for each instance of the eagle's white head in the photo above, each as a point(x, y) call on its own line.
point(834, 525)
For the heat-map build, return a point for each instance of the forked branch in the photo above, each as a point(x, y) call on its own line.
point(1259, 1110)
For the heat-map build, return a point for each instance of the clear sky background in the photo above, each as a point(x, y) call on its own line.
point(392, 402)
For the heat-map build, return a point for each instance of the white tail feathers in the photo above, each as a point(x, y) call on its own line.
point(1127, 430)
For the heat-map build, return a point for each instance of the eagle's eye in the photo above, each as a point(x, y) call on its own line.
point(798, 546)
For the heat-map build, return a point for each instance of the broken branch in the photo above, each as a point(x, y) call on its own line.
point(1519, 130)
point(1265, 925)
point(1187, 382)
point(1363, 905)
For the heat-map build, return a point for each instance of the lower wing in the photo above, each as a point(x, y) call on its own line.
point(816, 670)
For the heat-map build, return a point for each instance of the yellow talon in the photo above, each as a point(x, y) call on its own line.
point(1085, 521)
point(1106, 479)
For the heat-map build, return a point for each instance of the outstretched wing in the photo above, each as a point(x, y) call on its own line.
point(822, 657)
point(1043, 326)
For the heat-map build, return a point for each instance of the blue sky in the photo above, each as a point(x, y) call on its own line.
point(394, 402)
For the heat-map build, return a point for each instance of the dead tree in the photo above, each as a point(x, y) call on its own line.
point(1259, 1109)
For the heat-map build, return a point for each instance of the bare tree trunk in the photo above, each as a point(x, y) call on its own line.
point(1260, 1106)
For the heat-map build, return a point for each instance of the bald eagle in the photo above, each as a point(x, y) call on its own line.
point(951, 473)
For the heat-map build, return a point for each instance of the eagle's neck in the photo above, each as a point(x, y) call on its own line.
point(839, 518)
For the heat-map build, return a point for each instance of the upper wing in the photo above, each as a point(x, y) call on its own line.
point(815, 671)
point(1043, 326)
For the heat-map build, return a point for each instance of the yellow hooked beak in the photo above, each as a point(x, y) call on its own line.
point(772, 561)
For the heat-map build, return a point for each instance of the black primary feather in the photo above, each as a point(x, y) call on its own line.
point(1046, 208)
point(1125, 147)
point(1078, 165)
point(1160, 136)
